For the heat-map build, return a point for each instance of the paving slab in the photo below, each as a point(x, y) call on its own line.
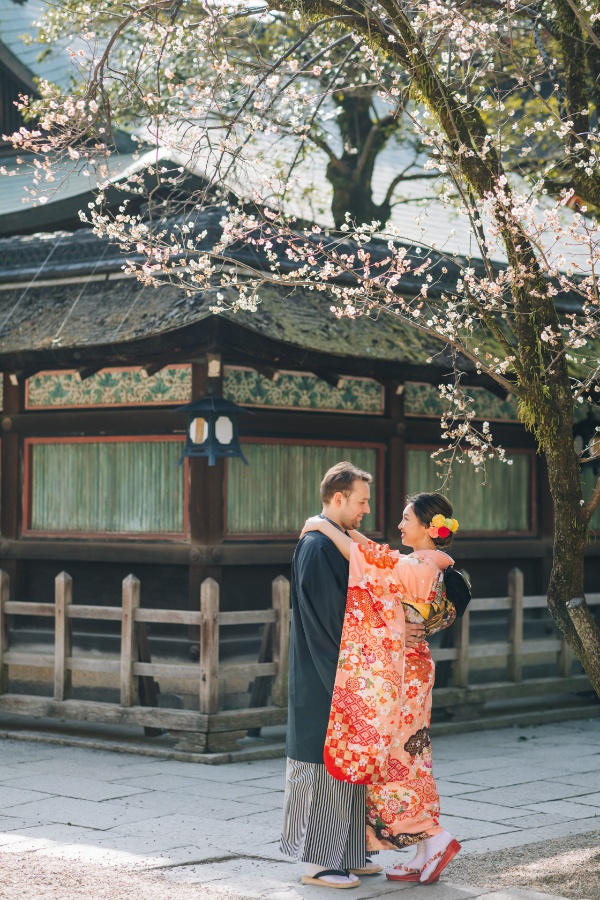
point(11, 797)
point(162, 802)
point(525, 794)
point(82, 812)
point(589, 780)
point(568, 809)
point(504, 777)
point(465, 829)
point(215, 829)
point(476, 806)
point(195, 787)
point(91, 788)
point(449, 788)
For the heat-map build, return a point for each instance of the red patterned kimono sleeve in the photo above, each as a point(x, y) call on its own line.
point(369, 685)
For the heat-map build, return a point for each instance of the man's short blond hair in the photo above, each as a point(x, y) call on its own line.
point(342, 477)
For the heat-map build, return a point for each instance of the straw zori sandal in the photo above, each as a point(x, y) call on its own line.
point(318, 879)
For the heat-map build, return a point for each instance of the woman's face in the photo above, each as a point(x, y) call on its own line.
point(412, 530)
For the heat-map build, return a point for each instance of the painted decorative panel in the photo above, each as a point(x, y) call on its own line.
point(111, 387)
point(503, 504)
point(294, 390)
point(589, 482)
point(280, 488)
point(106, 487)
point(425, 400)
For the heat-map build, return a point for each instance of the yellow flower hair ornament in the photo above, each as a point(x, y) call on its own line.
point(442, 527)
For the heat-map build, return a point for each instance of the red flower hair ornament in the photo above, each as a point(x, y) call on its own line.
point(442, 527)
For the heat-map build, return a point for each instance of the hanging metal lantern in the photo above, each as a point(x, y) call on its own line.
point(212, 429)
point(586, 436)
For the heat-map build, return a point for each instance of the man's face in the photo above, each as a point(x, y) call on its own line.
point(355, 506)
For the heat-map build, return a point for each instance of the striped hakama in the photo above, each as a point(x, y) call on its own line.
point(323, 819)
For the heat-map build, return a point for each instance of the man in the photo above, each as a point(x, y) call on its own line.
point(324, 819)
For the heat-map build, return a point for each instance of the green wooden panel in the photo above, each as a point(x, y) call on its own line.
point(294, 390)
point(121, 387)
point(280, 487)
point(500, 505)
point(425, 400)
point(589, 480)
point(107, 487)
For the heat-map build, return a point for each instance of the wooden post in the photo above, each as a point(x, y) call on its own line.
point(209, 646)
point(4, 643)
point(460, 668)
point(63, 597)
point(281, 639)
point(566, 658)
point(515, 633)
point(394, 495)
point(206, 499)
point(131, 601)
point(11, 486)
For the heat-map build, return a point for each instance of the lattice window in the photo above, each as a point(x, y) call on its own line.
point(504, 505)
point(280, 488)
point(87, 486)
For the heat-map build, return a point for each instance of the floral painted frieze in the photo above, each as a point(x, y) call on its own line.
point(295, 390)
point(110, 387)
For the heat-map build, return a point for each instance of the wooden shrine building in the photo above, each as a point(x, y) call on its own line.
point(94, 365)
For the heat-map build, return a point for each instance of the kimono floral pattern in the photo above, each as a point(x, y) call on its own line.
point(378, 731)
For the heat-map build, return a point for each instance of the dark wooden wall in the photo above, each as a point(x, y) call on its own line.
point(172, 572)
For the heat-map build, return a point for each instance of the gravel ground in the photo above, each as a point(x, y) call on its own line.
point(568, 867)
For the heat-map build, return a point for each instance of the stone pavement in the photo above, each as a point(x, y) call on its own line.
point(217, 827)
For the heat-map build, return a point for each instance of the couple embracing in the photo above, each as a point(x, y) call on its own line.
point(359, 772)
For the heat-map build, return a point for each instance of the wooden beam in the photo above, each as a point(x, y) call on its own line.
point(131, 602)
point(395, 467)
point(213, 365)
point(281, 639)
point(319, 425)
point(92, 550)
point(88, 372)
point(10, 480)
point(267, 371)
point(150, 369)
point(515, 630)
point(63, 598)
point(331, 378)
point(4, 641)
point(209, 646)
point(241, 553)
point(92, 711)
point(64, 422)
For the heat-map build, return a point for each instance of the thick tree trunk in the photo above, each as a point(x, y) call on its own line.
point(351, 175)
point(566, 599)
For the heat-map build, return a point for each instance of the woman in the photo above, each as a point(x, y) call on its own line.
point(379, 725)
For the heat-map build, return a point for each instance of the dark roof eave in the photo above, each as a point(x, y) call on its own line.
point(234, 341)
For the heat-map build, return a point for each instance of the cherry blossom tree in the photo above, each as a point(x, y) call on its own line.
point(504, 98)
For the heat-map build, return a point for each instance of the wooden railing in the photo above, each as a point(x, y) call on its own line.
point(468, 694)
point(209, 729)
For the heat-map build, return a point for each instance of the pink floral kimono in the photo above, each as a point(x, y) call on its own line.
point(378, 731)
